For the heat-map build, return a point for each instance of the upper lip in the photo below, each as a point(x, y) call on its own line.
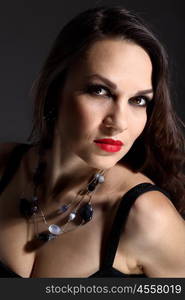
point(109, 141)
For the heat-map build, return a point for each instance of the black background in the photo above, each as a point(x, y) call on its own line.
point(28, 29)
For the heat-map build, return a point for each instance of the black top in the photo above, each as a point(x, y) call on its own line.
point(106, 269)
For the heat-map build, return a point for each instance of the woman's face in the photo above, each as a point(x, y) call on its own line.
point(104, 100)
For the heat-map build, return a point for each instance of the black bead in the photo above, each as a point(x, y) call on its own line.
point(91, 186)
point(86, 212)
point(27, 208)
point(45, 236)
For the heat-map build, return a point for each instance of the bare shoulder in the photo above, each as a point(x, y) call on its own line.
point(154, 206)
point(159, 235)
point(5, 152)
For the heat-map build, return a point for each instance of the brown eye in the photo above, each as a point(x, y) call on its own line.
point(140, 101)
point(99, 90)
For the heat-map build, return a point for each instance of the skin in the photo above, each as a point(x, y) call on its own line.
point(89, 115)
point(145, 245)
point(97, 114)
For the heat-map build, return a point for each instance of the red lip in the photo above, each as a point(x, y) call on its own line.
point(109, 141)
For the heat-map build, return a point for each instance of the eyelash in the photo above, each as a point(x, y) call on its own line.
point(92, 89)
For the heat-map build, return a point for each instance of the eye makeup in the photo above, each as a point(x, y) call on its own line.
point(96, 89)
point(101, 90)
point(146, 100)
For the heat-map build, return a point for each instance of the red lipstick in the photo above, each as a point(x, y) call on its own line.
point(109, 145)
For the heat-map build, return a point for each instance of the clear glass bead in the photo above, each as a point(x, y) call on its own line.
point(55, 229)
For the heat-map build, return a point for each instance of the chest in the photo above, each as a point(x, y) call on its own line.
point(78, 253)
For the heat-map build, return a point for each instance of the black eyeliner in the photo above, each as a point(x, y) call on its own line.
point(92, 86)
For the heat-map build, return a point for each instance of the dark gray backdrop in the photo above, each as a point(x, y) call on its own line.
point(27, 30)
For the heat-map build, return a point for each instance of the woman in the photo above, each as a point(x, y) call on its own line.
point(99, 191)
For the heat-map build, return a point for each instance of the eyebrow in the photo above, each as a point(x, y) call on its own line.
point(114, 86)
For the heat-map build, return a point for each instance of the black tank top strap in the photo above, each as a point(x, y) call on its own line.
point(120, 219)
point(13, 164)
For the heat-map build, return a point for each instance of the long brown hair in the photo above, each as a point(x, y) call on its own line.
point(159, 150)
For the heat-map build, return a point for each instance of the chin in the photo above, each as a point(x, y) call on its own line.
point(102, 162)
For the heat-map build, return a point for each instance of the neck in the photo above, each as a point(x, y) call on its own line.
point(65, 174)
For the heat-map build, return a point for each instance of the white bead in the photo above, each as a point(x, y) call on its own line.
point(72, 216)
point(55, 229)
point(101, 179)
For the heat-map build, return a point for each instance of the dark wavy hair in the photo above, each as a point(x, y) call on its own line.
point(159, 151)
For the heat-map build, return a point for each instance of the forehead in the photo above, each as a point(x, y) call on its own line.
point(121, 61)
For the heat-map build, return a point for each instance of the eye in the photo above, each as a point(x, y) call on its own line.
point(140, 100)
point(99, 90)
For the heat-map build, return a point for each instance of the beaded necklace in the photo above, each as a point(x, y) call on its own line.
point(30, 208)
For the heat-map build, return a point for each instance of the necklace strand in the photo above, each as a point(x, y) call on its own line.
point(56, 230)
point(31, 208)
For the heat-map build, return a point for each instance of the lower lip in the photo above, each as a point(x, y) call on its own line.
point(109, 147)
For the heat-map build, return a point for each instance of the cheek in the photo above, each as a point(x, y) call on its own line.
point(137, 125)
point(84, 114)
point(77, 115)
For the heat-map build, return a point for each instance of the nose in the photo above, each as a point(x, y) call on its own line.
point(116, 120)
